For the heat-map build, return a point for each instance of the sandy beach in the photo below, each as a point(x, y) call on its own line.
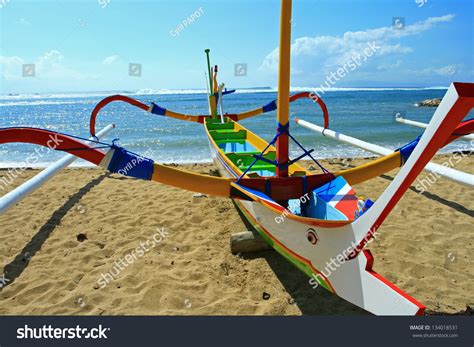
point(57, 243)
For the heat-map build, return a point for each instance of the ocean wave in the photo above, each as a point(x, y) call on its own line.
point(150, 91)
point(66, 95)
point(275, 90)
point(39, 103)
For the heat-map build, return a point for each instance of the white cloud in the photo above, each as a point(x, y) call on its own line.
point(49, 60)
point(110, 59)
point(445, 71)
point(334, 51)
point(448, 70)
point(10, 67)
point(49, 66)
point(394, 49)
point(388, 66)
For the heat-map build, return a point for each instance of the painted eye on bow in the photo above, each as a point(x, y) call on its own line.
point(312, 237)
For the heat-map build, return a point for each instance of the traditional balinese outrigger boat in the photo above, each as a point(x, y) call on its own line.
point(315, 221)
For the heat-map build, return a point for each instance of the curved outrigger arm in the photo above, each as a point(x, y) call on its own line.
point(445, 127)
point(272, 106)
point(118, 160)
point(158, 110)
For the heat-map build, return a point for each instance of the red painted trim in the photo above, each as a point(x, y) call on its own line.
point(464, 128)
point(233, 117)
point(282, 155)
point(284, 188)
point(107, 101)
point(201, 119)
point(368, 268)
point(255, 183)
point(104, 102)
point(316, 99)
point(52, 140)
point(445, 130)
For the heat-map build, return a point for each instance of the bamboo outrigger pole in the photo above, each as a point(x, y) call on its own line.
point(449, 173)
point(283, 109)
point(424, 126)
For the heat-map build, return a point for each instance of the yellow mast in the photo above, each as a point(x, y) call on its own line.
point(284, 86)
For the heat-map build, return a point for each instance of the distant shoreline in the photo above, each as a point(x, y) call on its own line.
point(151, 91)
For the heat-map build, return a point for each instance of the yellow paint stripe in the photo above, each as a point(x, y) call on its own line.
point(372, 169)
point(192, 181)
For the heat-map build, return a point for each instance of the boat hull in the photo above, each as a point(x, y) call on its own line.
point(319, 261)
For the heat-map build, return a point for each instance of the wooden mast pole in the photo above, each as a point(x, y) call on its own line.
point(284, 86)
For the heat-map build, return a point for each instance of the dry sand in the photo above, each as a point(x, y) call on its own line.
point(425, 247)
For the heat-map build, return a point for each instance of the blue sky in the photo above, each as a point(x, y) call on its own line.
point(88, 45)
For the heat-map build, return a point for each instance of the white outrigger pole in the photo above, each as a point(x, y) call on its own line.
point(451, 174)
point(424, 126)
point(21, 192)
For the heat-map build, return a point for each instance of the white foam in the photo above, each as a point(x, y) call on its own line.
point(150, 91)
point(39, 103)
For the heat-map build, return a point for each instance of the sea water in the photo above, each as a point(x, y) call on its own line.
point(365, 113)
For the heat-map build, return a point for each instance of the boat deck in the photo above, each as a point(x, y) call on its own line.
point(237, 147)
